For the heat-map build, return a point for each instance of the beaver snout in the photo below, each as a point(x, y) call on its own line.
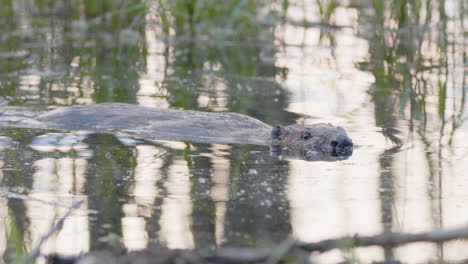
point(342, 146)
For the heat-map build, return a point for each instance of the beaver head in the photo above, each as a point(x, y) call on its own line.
point(307, 139)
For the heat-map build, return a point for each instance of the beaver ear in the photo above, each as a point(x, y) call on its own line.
point(277, 132)
point(306, 135)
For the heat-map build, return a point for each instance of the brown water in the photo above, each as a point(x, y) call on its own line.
point(392, 73)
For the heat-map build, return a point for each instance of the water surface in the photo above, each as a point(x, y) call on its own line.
point(392, 73)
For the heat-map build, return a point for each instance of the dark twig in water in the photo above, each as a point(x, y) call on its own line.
point(275, 254)
point(54, 229)
point(299, 251)
point(242, 255)
point(308, 24)
point(280, 251)
point(19, 196)
point(387, 239)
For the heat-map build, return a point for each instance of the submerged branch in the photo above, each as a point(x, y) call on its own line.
point(19, 196)
point(54, 228)
point(289, 249)
point(393, 239)
point(387, 239)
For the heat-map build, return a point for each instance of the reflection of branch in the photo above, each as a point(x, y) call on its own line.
point(387, 239)
point(55, 228)
point(19, 196)
point(293, 250)
point(281, 250)
point(308, 24)
point(238, 255)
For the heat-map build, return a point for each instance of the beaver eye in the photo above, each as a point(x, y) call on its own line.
point(306, 135)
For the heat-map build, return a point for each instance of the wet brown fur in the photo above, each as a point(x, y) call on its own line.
point(322, 136)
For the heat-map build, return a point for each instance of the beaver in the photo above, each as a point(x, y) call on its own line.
point(302, 141)
point(308, 139)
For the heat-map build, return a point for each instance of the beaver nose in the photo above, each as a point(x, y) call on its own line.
point(342, 145)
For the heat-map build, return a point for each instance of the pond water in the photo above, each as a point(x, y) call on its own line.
point(392, 73)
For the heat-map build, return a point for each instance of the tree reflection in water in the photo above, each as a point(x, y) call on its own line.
point(392, 72)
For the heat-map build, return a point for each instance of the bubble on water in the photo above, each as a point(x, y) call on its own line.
point(202, 180)
point(253, 171)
